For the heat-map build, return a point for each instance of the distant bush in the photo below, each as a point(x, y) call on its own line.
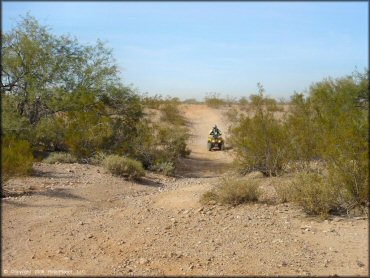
point(16, 157)
point(214, 100)
point(60, 157)
point(191, 101)
point(123, 166)
point(152, 102)
point(233, 191)
point(243, 101)
point(171, 114)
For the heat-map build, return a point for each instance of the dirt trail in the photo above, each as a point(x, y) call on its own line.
point(204, 163)
point(80, 220)
point(201, 163)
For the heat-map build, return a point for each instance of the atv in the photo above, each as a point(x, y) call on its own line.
point(215, 140)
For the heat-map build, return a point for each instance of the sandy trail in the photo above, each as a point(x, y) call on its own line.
point(201, 162)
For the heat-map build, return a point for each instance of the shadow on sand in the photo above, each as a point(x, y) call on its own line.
point(193, 167)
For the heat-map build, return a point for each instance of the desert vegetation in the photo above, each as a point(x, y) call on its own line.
point(59, 95)
point(233, 191)
point(328, 127)
point(66, 99)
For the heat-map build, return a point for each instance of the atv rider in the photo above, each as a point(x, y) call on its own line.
point(215, 131)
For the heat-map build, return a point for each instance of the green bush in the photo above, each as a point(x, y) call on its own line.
point(123, 166)
point(16, 157)
point(331, 124)
point(159, 143)
point(49, 133)
point(233, 191)
point(86, 133)
point(260, 141)
point(60, 157)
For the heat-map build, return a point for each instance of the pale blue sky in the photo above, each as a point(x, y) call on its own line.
point(188, 49)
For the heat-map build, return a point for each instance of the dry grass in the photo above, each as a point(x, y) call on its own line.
point(123, 166)
point(60, 157)
point(233, 191)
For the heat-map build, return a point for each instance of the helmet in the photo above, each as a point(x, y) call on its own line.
point(215, 126)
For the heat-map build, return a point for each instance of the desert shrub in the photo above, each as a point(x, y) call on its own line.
point(97, 158)
point(12, 123)
point(171, 114)
point(123, 166)
point(86, 133)
point(283, 192)
point(303, 135)
point(243, 101)
point(158, 143)
point(49, 133)
point(214, 100)
point(16, 157)
point(166, 168)
point(260, 141)
point(233, 191)
point(152, 102)
point(314, 194)
point(209, 197)
point(330, 125)
point(60, 157)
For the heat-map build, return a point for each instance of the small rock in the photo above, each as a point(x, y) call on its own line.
point(143, 261)
point(90, 236)
point(359, 263)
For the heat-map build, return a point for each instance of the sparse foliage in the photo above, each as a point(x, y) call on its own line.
point(16, 157)
point(60, 157)
point(123, 166)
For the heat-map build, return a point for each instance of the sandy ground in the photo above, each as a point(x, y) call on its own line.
point(75, 219)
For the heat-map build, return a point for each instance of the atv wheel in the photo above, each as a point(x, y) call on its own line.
point(222, 147)
point(209, 146)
